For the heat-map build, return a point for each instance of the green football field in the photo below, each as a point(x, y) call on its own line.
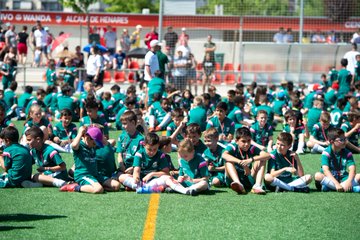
point(46, 213)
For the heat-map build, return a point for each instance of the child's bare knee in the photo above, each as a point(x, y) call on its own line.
point(268, 178)
point(98, 189)
point(216, 182)
point(319, 176)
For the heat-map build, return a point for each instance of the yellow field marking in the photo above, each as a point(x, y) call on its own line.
point(150, 223)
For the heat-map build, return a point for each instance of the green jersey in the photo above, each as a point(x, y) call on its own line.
point(18, 161)
point(319, 133)
point(148, 164)
point(195, 168)
point(200, 147)
point(10, 97)
point(344, 79)
point(330, 98)
point(50, 101)
point(105, 159)
point(171, 128)
point(337, 162)
point(333, 75)
point(357, 72)
point(353, 138)
point(261, 135)
point(313, 117)
point(214, 158)
point(65, 133)
point(128, 145)
point(85, 162)
point(50, 76)
point(43, 122)
point(225, 127)
point(157, 111)
point(337, 117)
point(299, 129)
point(70, 75)
point(234, 150)
point(278, 161)
point(268, 109)
point(198, 115)
point(24, 99)
point(236, 116)
point(309, 100)
point(65, 101)
point(86, 121)
point(49, 157)
point(156, 85)
point(278, 106)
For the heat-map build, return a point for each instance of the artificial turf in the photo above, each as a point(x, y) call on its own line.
point(46, 213)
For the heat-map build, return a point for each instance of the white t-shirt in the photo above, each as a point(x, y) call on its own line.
point(94, 62)
point(40, 38)
point(110, 38)
point(351, 57)
point(152, 61)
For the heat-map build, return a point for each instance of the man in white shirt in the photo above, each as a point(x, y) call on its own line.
point(351, 57)
point(151, 61)
point(110, 40)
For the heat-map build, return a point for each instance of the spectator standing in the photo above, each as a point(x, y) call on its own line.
point(94, 36)
point(210, 47)
point(184, 41)
point(95, 67)
point(135, 37)
point(171, 39)
point(356, 35)
point(351, 57)
point(163, 62)
point(10, 37)
point(180, 69)
point(318, 37)
point(22, 46)
point(152, 35)
point(151, 61)
point(119, 58)
point(288, 37)
point(110, 39)
point(125, 42)
point(331, 38)
point(279, 36)
point(49, 41)
point(40, 36)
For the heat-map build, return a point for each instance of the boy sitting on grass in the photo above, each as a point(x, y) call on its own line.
point(51, 168)
point(15, 160)
point(338, 171)
point(213, 156)
point(262, 132)
point(318, 139)
point(245, 163)
point(86, 175)
point(285, 170)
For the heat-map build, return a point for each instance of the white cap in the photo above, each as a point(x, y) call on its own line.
point(154, 43)
point(138, 26)
point(183, 29)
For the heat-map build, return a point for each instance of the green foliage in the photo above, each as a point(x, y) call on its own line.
point(78, 6)
point(131, 6)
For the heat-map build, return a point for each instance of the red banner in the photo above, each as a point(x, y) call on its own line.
point(190, 22)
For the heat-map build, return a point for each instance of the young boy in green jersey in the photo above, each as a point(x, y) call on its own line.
point(213, 157)
point(337, 114)
point(318, 140)
point(197, 113)
point(177, 116)
point(344, 79)
point(23, 101)
point(15, 160)
point(51, 73)
point(108, 105)
point(338, 171)
point(10, 99)
point(193, 132)
point(262, 132)
point(297, 131)
point(313, 115)
point(118, 97)
point(236, 115)
point(86, 174)
point(130, 103)
point(50, 166)
point(4, 120)
point(352, 131)
point(159, 114)
point(69, 73)
point(223, 124)
point(39, 100)
point(129, 142)
point(7, 71)
point(66, 100)
point(357, 69)
point(93, 117)
point(244, 163)
point(285, 170)
point(65, 130)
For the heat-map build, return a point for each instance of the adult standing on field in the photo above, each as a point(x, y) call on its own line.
point(22, 46)
point(152, 35)
point(184, 41)
point(110, 39)
point(151, 61)
point(210, 47)
point(351, 57)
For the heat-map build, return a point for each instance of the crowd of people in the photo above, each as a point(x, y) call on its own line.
point(220, 141)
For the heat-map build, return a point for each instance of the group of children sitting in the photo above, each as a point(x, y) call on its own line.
point(222, 142)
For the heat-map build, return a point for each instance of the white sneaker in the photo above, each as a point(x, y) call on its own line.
point(30, 184)
point(300, 151)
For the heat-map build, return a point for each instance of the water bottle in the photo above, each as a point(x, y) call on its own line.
point(144, 189)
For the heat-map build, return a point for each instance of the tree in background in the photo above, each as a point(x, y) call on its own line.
point(131, 6)
point(80, 7)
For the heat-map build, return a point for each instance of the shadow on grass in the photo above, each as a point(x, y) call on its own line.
point(213, 191)
point(9, 228)
point(21, 217)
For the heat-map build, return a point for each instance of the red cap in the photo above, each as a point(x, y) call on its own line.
point(335, 86)
point(317, 87)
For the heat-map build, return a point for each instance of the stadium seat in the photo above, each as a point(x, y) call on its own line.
point(244, 68)
point(270, 68)
point(256, 67)
point(228, 67)
point(217, 79)
point(119, 77)
point(229, 79)
point(217, 66)
point(131, 77)
point(134, 65)
point(107, 76)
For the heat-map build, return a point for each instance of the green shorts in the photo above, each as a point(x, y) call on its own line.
point(89, 180)
point(58, 175)
point(220, 176)
point(5, 182)
point(247, 181)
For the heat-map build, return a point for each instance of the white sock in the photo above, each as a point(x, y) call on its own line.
point(300, 182)
point(277, 182)
point(196, 186)
point(318, 148)
point(165, 120)
point(130, 182)
point(327, 182)
point(151, 121)
point(156, 182)
point(177, 187)
point(58, 182)
point(301, 146)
